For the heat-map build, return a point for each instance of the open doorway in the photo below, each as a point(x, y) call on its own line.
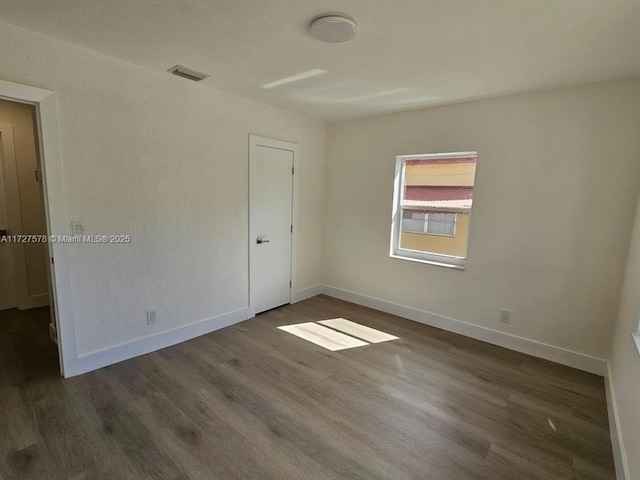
point(26, 319)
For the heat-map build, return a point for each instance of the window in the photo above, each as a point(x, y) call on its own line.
point(433, 196)
point(429, 223)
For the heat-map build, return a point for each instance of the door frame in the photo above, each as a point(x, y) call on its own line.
point(55, 213)
point(256, 141)
point(14, 222)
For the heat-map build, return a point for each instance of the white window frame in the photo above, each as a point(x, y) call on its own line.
point(396, 224)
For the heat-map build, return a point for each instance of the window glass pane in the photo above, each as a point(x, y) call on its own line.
point(411, 224)
point(436, 204)
point(442, 217)
point(441, 224)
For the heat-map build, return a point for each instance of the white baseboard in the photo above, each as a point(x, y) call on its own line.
point(124, 351)
point(306, 293)
point(619, 454)
point(495, 337)
point(35, 301)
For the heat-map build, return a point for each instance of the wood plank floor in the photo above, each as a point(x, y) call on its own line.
point(254, 402)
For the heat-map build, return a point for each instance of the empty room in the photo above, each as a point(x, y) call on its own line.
point(303, 240)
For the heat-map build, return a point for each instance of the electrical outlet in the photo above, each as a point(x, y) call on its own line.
point(505, 316)
point(151, 317)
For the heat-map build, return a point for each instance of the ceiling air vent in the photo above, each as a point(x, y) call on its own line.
point(188, 73)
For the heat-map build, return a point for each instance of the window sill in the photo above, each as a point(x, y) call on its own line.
point(429, 262)
point(636, 340)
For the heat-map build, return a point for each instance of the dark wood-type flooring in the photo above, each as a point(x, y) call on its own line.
point(253, 402)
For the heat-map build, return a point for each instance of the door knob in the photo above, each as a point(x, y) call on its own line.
point(261, 240)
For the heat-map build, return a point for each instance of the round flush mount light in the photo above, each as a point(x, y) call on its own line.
point(334, 29)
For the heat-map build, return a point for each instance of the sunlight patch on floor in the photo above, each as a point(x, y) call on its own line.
point(337, 334)
point(357, 330)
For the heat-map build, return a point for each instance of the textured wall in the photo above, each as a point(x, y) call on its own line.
point(22, 117)
point(549, 247)
point(625, 360)
point(165, 160)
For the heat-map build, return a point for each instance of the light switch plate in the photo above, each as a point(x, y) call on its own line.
point(77, 228)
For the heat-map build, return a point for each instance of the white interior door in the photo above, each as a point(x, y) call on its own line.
point(270, 222)
point(8, 293)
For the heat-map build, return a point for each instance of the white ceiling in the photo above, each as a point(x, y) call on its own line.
point(408, 53)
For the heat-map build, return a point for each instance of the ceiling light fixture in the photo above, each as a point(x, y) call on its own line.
point(295, 78)
point(187, 73)
point(334, 29)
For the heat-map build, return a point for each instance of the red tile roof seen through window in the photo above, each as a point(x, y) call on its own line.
point(440, 193)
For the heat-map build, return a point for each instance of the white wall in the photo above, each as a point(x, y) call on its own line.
point(555, 198)
point(165, 160)
point(625, 360)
